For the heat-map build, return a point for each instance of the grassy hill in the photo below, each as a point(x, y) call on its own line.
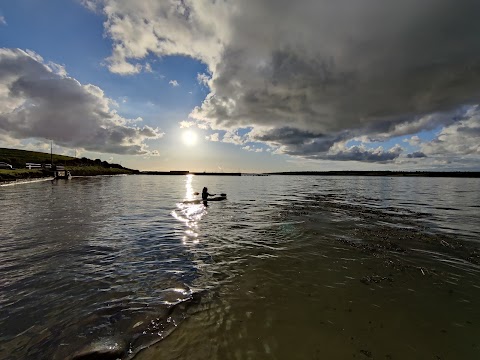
point(77, 166)
point(18, 158)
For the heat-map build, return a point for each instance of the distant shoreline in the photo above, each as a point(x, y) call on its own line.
point(451, 174)
point(175, 172)
point(24, 174)
point(461, 174)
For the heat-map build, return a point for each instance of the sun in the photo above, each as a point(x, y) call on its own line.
point(189, 137)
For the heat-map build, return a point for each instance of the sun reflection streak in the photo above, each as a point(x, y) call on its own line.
point(188, 185)
point(189, 213)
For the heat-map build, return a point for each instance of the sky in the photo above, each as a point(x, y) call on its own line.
point(249, 86)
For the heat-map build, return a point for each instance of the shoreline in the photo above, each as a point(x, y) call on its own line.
point(450, 174)
point(461, 174)
point(46, 178)
point(27, 176)
point(24, 181)
point(50, 178)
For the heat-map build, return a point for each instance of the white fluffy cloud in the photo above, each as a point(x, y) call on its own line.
point(213, 137)
point(234, 138)
point(186, 124)
point(39, 100)
point(459, 139)
point(203, 79)
point(333, 70)
point(252, 149)
point(413, 141)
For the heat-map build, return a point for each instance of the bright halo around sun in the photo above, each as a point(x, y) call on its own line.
point(189, 137)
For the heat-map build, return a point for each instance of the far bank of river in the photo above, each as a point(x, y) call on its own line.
point(26, 174)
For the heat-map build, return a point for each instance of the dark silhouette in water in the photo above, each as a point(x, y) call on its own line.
point(205, 196)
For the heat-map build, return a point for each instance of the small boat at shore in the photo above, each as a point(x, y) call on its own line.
point(63, 174)
point(59, 172)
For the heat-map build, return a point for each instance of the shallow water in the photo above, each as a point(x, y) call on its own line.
point(287, 267)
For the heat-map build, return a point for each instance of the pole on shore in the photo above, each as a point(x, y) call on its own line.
point(51, 152)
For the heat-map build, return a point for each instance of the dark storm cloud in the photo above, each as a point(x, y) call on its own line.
point(470, 131)
point(285, 135)
point(296, 142)
point(416, 155)
point(36, 102)
point(316, 146)
point(377, 63)
point(369, 68)
point(360, 153)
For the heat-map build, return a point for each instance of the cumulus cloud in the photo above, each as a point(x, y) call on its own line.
point(253, 149)
point(123, 68)
point(90, 4)
point(413, 141)
point(295, 142)
point(148, 68)
point(461, 139)
point(203, 79)
point(174, 83)
point(57, 69)
point(7, 141)
point(387, 129)
point(361, 153)
point(234, 138)
point(416, 155)
point(284, 135)
point(38, 100)
point(186, 124)
point(338, 69)
point(2, 20)
point(213, 137)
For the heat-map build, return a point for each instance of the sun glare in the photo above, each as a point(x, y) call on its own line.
point(189, 138)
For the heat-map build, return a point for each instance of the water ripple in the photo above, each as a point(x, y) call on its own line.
point(126, 260)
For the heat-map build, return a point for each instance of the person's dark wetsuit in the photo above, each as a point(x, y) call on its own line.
point(205, 194)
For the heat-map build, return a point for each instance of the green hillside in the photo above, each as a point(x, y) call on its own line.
point(77, 166)
point(18, 158)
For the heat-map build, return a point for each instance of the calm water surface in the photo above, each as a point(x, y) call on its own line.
point(286, 268)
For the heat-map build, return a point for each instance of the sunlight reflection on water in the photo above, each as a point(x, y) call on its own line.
point(376, 265)
point(189, 213)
